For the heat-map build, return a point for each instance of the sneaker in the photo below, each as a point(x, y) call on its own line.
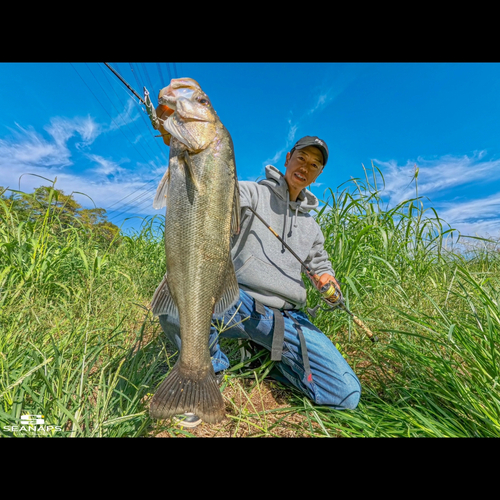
point(219, 377)
point(189, 420)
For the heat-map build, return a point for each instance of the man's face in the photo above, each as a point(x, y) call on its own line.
point(302, 169)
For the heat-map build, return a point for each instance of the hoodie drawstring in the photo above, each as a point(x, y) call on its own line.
point(294, 220)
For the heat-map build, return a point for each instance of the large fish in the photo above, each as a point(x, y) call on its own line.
point(200, 192)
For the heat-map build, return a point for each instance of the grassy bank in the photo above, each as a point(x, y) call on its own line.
point(79, 346)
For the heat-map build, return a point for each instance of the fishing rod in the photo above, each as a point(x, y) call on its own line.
point(330, 292)
point(147, 101)
point(126, 84)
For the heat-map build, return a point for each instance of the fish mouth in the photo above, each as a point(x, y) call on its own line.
point(177, 89)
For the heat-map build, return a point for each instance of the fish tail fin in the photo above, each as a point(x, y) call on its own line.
point(182, 391)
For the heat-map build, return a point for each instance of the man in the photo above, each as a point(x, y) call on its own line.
point(271, 288)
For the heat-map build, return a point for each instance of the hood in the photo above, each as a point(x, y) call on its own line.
point(306, 201)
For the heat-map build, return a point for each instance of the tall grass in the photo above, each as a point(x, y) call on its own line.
point(78, 344)
point(435, 370)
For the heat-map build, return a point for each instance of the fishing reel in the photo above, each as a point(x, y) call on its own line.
point(331, 294)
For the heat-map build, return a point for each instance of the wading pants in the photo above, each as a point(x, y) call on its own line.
point(326, 378)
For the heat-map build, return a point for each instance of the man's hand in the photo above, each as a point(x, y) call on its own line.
point(324, 279)
point(321, 281)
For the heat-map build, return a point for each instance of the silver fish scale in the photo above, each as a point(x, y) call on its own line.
point(197, 242)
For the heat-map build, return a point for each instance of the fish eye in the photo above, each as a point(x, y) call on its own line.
point(203, 101)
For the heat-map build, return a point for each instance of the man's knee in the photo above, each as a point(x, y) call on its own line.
point(343, 396)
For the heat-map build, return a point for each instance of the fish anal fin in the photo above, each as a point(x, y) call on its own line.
point(231, 292)
point(186, 391)
point(162, 302)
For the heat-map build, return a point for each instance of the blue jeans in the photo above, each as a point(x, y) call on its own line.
point(333, 382)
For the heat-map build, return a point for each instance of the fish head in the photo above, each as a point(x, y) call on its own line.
point(193, 120)
point(178, 87)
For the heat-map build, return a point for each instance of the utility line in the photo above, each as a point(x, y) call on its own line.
point(126, 207)
point(113, 104)
point(126, 84)
point(160, 73)
point(156, 178)
point(102, 105)
point(140, 133)
point(146, 161)
point(144, 194)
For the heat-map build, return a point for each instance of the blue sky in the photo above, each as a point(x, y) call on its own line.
point(79, 123)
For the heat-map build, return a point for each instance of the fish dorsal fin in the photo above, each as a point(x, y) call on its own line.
point(231, 293)
point(162, 302)
point(190, 168)
point(160, 200)
point(236, 213)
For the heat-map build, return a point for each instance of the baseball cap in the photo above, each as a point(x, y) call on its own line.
point(312, 140)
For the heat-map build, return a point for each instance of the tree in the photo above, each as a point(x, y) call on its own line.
point(60, 211)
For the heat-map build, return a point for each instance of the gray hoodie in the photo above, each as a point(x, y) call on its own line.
point(265, 269)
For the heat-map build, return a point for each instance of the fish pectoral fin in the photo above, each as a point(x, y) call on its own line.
point(231, 291)
point(160, 200)
point(162, 302)
point(190, 168)
point(236, 213)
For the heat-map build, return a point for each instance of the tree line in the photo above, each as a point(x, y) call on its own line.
point(60, 210)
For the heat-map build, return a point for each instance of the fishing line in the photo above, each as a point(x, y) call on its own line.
point(147, 123)
point(126, 207)
point(129, 206)
point(135, 76)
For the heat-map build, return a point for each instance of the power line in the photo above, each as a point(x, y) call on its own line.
point(144, 195)
point(117, 110)
point(156, 178)
point(137, 128)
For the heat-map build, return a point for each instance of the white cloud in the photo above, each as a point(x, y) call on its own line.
point(127, 116)
point(437, 178)
point(324, 95)
point(103, 191)
point(104, 166)
point(30, 149)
